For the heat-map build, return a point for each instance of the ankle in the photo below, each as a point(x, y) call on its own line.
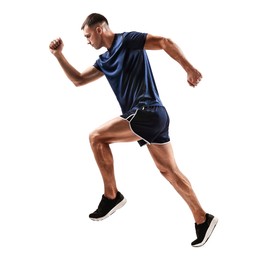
point(110, 195)
point(200, 218)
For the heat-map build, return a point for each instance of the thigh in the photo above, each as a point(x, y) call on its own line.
point(115, 130)
point(163, 156)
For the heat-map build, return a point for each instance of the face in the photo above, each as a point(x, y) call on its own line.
point(93, 36)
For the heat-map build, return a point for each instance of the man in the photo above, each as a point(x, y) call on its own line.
point(144, 118)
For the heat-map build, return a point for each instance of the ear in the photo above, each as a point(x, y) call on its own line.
point(99, 30)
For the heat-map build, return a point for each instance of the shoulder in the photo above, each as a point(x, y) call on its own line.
point(134, 39)
point(132, 35)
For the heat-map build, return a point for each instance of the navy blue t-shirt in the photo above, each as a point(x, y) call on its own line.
point(126, 67)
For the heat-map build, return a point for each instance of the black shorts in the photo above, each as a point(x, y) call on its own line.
point(151, 124)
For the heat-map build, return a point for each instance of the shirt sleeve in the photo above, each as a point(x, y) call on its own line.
point(96, 65)
point(135, 40)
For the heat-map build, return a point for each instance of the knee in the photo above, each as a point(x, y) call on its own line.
point(169, 171)
point(94, 138)
point(175, 177)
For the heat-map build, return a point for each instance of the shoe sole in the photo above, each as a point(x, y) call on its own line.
point(208, 233)
point(113, 210)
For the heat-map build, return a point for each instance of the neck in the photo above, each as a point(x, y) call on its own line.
point(109, 38)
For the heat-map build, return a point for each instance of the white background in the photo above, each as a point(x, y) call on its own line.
point(49, 181)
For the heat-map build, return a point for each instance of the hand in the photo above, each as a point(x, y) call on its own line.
point(194, 77)
point(56, 46)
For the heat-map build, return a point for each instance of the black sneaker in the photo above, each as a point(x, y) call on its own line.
point(107, 207)
point(204, 230)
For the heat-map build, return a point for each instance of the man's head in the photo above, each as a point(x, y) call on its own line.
point(94, 27)
point(94, 19)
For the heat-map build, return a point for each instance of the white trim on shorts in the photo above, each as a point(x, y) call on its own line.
point(161, 143)
point(129, 121)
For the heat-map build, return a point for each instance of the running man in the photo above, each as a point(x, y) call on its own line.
point(144, 118)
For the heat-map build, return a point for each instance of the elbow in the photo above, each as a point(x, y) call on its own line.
point(165, 42)
point(77, 83)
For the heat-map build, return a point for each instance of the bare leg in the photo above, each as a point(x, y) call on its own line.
point(164, 159)
point(116, 130)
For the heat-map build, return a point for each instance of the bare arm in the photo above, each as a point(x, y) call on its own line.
point(171, 48)
point(76, 77)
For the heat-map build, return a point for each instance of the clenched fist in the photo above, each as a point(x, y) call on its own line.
point(56, 45)
point(194, 77)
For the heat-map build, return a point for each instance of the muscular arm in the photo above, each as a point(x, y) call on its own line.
point(76, 77)
point(172, 49)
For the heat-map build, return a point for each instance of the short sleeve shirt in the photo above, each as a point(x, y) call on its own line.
point(128, 71)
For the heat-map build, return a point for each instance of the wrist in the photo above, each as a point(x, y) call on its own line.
point(58, 55)
point(189, 68)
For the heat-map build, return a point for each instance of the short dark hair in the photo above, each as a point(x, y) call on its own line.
point(93, 19)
